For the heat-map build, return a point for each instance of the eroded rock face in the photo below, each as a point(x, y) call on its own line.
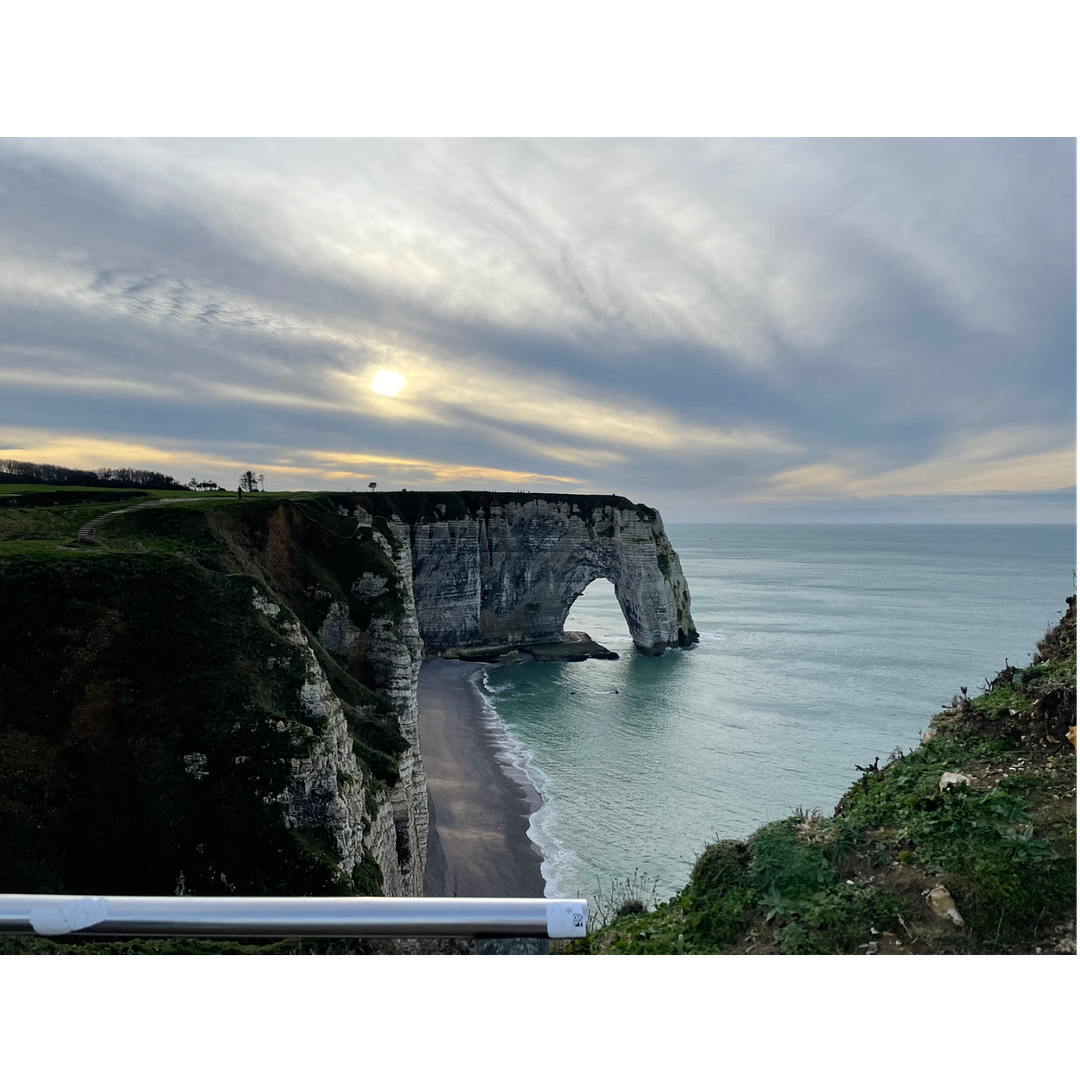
point(365, 620)
point(327, 789)
point(398, 834)
point(315, 797)
point(509, 572)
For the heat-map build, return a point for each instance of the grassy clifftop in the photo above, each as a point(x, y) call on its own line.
point(419, 507)
point(908, 862)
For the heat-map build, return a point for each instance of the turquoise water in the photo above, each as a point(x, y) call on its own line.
point(822, 647)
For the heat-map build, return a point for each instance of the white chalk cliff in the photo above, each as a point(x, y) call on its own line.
point(509, 571)
point(456, 570)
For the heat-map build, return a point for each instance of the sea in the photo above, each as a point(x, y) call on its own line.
point(822, 647)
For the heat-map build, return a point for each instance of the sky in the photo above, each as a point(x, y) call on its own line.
point(807, 329)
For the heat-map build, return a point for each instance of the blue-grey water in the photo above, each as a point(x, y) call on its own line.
point(822, 647)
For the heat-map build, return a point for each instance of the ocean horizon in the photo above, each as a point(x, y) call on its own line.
point(822, 647)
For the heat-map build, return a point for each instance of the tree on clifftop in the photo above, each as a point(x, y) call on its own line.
point(249, 481)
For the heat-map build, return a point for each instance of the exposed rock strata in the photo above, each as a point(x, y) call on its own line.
point(327, 790)
point(508, 571)
point(392, 647)
point(314, 798)
point(354, 600)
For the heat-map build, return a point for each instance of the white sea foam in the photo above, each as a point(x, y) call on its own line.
point(559, 862)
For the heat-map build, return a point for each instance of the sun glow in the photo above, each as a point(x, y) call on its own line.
point(387, 383)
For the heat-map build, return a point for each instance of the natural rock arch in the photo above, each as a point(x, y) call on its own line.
point(508, 572)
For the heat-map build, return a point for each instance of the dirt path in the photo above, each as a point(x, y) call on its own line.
point(86, 534)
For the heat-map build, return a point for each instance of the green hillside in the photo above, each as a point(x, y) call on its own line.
point(880, 875)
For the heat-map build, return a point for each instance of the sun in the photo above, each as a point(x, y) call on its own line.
point(387, 383)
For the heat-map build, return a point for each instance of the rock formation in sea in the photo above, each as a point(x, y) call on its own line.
point(503, 569)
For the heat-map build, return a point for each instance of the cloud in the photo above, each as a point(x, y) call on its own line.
point(972, 464)
point(413, 471)
point(711, 322)
point(82, 450)
point(443, 392)
point(284, 466)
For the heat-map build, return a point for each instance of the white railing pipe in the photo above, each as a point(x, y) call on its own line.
point(291, 916)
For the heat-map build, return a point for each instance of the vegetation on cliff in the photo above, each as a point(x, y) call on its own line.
point(909, 862)
point(149, 712)
point(418, 507)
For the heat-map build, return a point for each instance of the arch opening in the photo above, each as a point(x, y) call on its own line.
point(598, 613)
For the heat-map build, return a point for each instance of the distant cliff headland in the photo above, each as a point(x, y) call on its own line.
point(218, 695)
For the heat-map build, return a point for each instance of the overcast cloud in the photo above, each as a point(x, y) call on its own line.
point(727, 330)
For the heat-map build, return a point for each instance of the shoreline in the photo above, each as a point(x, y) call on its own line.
point(479, 805)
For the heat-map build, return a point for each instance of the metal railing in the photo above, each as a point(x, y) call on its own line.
point(291, 916)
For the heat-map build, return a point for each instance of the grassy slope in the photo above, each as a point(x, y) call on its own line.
point(1004, 846)
point(73, 491)
point(120, 660)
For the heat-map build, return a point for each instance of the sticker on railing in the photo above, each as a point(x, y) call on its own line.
point(567, 919)
point(78, 915)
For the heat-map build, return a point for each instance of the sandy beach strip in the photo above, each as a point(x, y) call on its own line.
point(480, 807)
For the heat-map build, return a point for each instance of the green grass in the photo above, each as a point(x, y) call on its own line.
point(18, 550)
point(163, 493)
point(119, 718)
point(10, 946)
point(37, 518)
point(418, 507)
point(1005, 846)
point(59, 523)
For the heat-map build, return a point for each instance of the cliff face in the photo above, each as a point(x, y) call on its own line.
point(221, 698)
point(350, 585)
point(391, 646)
point(212, 700)
point(491, 569)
